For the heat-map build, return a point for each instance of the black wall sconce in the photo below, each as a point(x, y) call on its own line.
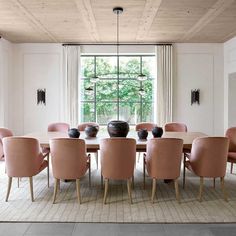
point(195, 96)
point(41, 96)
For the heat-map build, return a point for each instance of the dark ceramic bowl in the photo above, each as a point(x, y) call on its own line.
point(157, 132)
point(142, 134)
point(118, 128)
point(73, 133)
point(91, 131)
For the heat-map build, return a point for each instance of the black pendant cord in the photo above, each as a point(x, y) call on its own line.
point(118, 69)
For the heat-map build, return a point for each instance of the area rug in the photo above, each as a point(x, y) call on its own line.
point(165, 209)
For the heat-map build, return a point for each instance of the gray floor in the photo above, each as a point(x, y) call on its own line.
point(59, 229)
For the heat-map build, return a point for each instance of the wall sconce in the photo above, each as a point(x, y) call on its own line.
point(41, 96)
point(195, 96)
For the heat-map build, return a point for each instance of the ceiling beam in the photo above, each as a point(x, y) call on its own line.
point(210, 15)
point(150, 10)
point(86, 11)
point(32, 20)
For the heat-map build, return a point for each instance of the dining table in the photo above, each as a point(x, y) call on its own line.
point(92, 144)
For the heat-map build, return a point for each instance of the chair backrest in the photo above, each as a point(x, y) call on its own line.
point(145, 125)
point(209, 156)
point(164, 157)
point(4, 133)
point(231, 135)
point(117, 157)
point(175, 127)
point(21, 156)
point(82, 126)
point(58, 127)
point(69, 160)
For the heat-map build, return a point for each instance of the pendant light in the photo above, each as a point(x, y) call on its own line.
point(89, 91)
point(141, 76)
point(141, 92)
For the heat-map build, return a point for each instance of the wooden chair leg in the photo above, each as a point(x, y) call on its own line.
point(231, 168)
point(101, 181)
point(56, 185)
point(201, 188)
point(222, 180)
point(31, 188)
point(48, 169)
point(144, 174)
point(129, 190)
point(214, 183)
point(96, 156)
point(154, 184)
point(106, 190)
point(78, 190)
point(184, 171)
point(8, 187)
point(177, 190)
point(89, 171)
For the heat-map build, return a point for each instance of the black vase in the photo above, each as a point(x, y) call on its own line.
point(73, 133)
point(157, 132)
point(118, 128)
point(91, 131)
point(142, 134)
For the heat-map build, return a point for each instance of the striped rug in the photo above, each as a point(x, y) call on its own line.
point(165, 209)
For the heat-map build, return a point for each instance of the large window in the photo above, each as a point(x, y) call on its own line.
point(116, 96)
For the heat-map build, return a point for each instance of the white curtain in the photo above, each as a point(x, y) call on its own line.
point(71, 87)
point(163, 85)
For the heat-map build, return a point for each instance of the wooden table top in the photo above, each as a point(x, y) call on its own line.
point(93, 143)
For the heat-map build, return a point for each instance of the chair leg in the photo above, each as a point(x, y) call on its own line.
point(31, 188)
point(18, 182)
point(48, 169)
point(154, 184)
point(89, 171)
point(231, 168)
point(129, 190)
point(78, 190)
point(132, 182)
point(96, 156)
point(201, 189)
point(144, 174)
point(106, 190)
point(214, 183)
point(8, 187)
point(177, 190)
point(56, 185)
point(222, 180)
point(101, 181)
point(184, 171)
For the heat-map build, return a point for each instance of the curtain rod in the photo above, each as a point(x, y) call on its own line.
point(114, 44)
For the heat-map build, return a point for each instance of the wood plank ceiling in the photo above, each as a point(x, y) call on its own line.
point(92, 21)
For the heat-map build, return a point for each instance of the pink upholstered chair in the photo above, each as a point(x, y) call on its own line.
point(23, 159)
point(163, 161)
point(81, 127)
point(231, 135)
point(208, 159)
point(117, 161)
point(175, 127)
point(4, 133)
point(58, 127)
point(145, 125)
point(69, 161)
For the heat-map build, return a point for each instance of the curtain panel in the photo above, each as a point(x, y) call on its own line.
point(71, 84)
point(163, 86)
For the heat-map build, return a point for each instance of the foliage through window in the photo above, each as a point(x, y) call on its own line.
point(116, 96)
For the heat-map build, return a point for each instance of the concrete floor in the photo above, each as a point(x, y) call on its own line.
point(59, 229)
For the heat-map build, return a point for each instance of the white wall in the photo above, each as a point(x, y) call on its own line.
point(5, 78)
point(229, 71)
point(36, 66)
point(199, 66)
